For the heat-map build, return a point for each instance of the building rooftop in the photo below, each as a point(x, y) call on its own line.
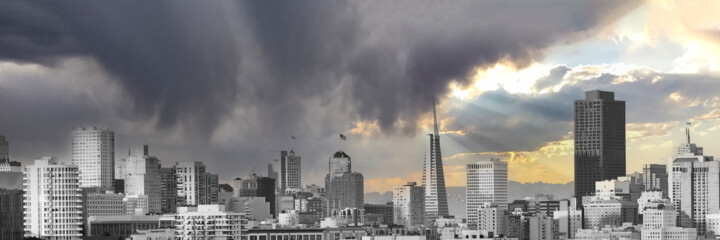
point(340, 154)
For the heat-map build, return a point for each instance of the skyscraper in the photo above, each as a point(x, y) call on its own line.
point(142, 177)
point(343, 190)
point(433, 179)
point(408, 205)
point(168, 190)
point(487, 184)
point(599, 141)
point(4, 150)
point(53, 200)
point(290, 171)
point(93, 151)
point(694, 186)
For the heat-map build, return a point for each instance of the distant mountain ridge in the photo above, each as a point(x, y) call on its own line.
point(516, 190)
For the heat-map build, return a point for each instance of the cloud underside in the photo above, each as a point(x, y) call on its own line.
point(228, 82)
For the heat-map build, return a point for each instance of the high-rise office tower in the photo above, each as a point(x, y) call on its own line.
point(191, 183)
point(695, 188)
point(256, 186)
point(433, 179)
point(408, 205)
point(487, 183)
point(11, 213)
point(655, 177)
point(343, 190)
point(142, 177)
point(4, 150)
point(212, 189)
point(53, 200)
point(599, 141)
point(290, 171)
point(93, 151)
point(168, 190)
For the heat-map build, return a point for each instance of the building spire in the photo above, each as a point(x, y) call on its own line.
point(687, 131)
point(437, 133)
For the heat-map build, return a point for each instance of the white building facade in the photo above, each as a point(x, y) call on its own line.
point(53, 200)
point(487, 182)
point(408, 205)
point(142, 177)
point(191, 183)
point(208, 222)
point(93, 151)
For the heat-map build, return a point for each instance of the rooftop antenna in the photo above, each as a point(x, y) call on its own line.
point(437, 133)
point(687, 131)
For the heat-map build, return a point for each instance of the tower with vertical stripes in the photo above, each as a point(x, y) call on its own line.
point(433, 178)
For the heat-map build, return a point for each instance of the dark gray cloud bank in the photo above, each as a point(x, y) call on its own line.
point(227, 81)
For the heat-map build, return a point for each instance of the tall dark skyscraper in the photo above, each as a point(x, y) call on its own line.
point(433, 179)
point(599, 140)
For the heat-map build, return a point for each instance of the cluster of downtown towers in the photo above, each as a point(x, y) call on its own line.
point(600, 145)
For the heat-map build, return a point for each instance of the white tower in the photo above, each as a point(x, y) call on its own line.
point(53, 200)
point(93, 151)
point(486, 184)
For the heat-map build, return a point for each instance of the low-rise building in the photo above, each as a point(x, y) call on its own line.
point(206, 221)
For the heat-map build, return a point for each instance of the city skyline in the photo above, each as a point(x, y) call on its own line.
point(369, 71)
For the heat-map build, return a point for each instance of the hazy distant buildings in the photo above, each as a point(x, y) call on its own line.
point(142, 177)
point(599, 140)
point(4, 150)
point(487, 183)
point(655, 177)
point(290, 171)
point(93, 151)
point(343, 190)
point(433, 179)
point(408, 205)
point(5, 164)
point(52, 192)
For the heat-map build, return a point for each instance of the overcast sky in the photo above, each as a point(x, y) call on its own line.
point(229, 82)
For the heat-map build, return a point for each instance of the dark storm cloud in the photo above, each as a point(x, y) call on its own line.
point(186, 60)
point(177, 60)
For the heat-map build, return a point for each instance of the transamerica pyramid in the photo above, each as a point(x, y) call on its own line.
point(434, 179)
